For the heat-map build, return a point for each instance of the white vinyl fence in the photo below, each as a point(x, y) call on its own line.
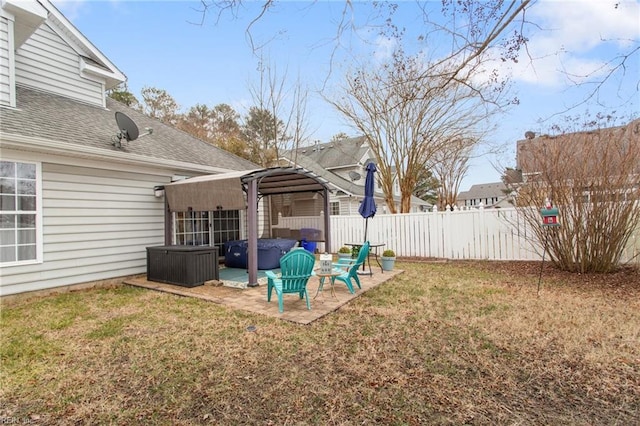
point(491, 234)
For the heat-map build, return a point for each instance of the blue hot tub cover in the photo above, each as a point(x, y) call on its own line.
point(270, 250)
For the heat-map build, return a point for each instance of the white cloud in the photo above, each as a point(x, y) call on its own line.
point(576, 38)
point(582, 25)
point(72, 9)
point(384, 48)
point(69, 8)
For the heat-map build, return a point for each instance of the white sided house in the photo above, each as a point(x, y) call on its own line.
point(75, 207)
point(342, 163)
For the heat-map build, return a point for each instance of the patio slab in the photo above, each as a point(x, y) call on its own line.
point(254, 299)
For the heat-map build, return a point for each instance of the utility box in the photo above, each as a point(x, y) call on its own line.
point(187, 266)
point(549, 216)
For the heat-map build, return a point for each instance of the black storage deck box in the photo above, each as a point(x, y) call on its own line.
point(187, 266)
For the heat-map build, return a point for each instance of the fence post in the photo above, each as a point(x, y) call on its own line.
point(483, 236)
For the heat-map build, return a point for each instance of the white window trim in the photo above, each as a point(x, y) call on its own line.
point(39, 231)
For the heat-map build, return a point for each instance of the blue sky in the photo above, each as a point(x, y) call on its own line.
point(168, 45)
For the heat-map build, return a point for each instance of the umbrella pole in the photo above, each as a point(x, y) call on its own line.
point(366, 225)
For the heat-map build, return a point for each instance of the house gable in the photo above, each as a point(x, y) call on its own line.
point(50, 55)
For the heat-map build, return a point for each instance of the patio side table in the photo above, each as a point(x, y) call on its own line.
point(373, 249)
point(332, 276)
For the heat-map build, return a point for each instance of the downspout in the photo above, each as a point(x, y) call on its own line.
point(168, 223)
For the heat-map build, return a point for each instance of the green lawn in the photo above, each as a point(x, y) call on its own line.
point(454, 343)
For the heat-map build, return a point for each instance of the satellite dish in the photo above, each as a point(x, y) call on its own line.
point(127, 129)
point(529, 134)
point(354, 176)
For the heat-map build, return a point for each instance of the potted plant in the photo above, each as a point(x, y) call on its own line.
point(344, 252)
point(388, 259)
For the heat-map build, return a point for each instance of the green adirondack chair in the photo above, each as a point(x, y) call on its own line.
point(296, 267)
point(350, 268)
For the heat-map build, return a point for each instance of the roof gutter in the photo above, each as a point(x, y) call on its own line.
point(48, 146)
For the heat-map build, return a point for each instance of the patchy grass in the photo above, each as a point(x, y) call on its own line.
point(453, 343)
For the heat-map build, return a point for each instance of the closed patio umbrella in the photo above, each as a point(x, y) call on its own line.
point(368, 206)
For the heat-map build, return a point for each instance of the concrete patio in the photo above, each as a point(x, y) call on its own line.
point(254, 299)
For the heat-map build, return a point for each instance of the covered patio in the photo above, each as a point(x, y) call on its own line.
point(239, 191)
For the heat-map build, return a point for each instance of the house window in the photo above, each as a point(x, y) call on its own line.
point(192, 228)
point(226, 227)
point(334, 208)
point(207, 228)
point(20, 218)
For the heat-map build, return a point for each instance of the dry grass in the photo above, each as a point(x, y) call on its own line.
point(455, 343)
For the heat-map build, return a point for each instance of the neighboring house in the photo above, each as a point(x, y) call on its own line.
point(490, 195)
point(598, 161)
point(342, 164)
point(75, 208)
point(578, 148)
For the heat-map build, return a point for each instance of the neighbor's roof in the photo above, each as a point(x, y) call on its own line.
point(483, 190)
point(345, 185)
point(62, 120)
point(342, 153)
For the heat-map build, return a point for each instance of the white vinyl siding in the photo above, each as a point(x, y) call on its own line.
point(45, 61)
point(97, 224)
point(6, 60)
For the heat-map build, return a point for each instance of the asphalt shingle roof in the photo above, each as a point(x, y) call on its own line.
point(342, 153)
point(483, 190)
point(53, 117)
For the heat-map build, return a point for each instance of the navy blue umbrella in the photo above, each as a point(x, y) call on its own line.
point(368, 206)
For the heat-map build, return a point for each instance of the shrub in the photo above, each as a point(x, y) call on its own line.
point(388, 253)
point(591, 177)
point(344, 249)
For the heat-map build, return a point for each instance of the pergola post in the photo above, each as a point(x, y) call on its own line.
point(327, 222)
point(252, 229)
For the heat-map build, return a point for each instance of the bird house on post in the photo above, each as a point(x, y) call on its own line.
point(549, 215)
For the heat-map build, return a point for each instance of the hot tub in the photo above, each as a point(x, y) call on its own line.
point(270, 250)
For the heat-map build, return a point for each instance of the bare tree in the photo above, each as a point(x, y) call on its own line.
point(298, 124)
point(339, 136)
point(449, 166)
point(287, 107)
point(408, 118)
point(472, 26)
point(593, 178)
